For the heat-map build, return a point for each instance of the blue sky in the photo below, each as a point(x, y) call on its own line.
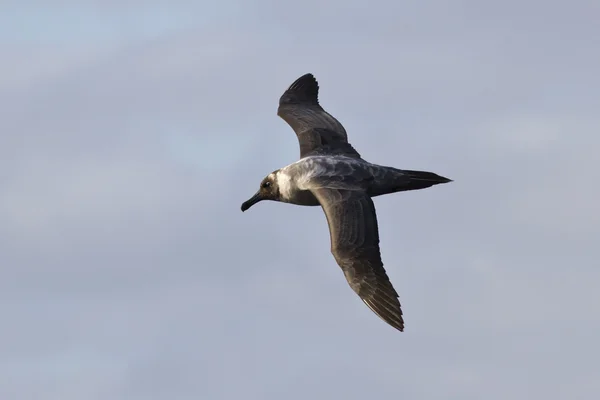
point(132, 131)
point(81, 23)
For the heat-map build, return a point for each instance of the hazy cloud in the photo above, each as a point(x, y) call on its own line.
point(132, 131)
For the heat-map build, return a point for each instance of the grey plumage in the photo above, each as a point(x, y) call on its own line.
point(332, 174)
point(318, 131)
point(355, 246)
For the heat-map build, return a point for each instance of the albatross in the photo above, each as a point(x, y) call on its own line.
point(332, 174)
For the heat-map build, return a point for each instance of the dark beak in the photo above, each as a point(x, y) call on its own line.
point(251, 201)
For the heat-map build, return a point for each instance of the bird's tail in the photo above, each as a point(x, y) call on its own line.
point(399, 180)
point(424, 179)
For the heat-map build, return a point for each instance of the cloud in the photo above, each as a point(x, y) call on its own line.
point(128, 271)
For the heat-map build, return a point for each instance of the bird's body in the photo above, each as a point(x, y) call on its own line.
point(332, 174)
point(296, 180)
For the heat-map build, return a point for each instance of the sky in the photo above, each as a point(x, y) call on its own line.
point(132, 131)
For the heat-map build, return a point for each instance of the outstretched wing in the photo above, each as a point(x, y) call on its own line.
point(355, 245)
point(318, 132)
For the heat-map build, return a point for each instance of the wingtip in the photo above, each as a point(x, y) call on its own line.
point(304, 89)
point(393, 318)
point(305, 79)
point(396, 325)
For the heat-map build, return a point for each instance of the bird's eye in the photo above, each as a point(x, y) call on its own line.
point(266, 184)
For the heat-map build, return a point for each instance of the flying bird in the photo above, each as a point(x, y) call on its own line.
point(331, 173)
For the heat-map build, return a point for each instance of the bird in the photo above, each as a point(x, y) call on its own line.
point(332, 174)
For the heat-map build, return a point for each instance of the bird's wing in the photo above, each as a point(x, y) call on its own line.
point(318, 132)
point(355, 245)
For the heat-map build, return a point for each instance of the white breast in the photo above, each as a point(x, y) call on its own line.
point(298, 176)
point(309, 168)
point(286, 186)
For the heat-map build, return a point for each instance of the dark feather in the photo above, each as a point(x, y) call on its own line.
point(318, 131)
point(355, 245)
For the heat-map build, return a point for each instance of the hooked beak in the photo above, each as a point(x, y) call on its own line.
point(251, 201)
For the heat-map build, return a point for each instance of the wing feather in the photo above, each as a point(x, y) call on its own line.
point(355, 245)
point(318, 131)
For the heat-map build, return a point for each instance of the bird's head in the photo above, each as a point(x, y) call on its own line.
point(269, 190)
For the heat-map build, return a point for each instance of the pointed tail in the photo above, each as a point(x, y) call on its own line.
point(399, 180)
point(418, 178)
